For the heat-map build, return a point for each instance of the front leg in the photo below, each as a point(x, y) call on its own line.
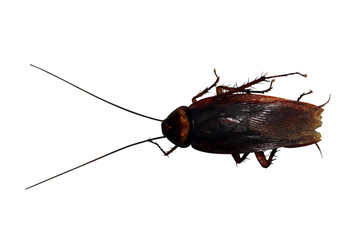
point(162, 150)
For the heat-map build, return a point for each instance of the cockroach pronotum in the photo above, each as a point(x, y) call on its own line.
point(237, 120)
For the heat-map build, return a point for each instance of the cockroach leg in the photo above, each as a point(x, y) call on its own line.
point(219, 90)
point(304, 94)
point(162, 150)
point(243, 89)
point(262, 159)
point(287, 74)
point(248, 91)
point(239, 159)
point(171, 150)
point(208, 88)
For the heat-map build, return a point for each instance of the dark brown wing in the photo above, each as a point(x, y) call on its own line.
point(249, 123)
point(290, 120)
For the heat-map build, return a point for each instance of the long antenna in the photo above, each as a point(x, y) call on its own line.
point(105, 155)
point(115, 105)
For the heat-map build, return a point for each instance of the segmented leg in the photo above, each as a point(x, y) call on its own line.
point(304, 94)
point(245, 88)
point(208, 88)
point(165, 153)
point(262, 159)
point(237, 158)
point(230, 90)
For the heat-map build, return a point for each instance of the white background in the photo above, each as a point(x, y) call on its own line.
point(151, 57)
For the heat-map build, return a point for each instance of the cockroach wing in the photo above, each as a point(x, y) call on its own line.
point(287, 120)
point(249, 123)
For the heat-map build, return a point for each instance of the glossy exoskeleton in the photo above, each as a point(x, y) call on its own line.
point(237, 121)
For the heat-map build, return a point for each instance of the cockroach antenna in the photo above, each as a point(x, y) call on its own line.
point(105, 155)
point(113, 104)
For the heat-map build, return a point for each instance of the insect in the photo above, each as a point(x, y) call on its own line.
point(237, 120)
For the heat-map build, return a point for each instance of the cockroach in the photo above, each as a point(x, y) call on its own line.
point(237, 120)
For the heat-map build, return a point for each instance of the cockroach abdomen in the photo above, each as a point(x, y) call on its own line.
point(253, 123)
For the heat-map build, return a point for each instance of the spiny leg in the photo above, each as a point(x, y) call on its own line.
point(245, 88)
point(304, 94)
point(231, 90)
point(208, 88)
point(165, 153)
point(262, 159)
point(237, 158)
point(287, 74)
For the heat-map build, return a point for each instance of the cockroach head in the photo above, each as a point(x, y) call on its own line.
point(177, 127)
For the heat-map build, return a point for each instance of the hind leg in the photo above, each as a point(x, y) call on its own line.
point(239, 159)
point(246, 87)
point(262, 159)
